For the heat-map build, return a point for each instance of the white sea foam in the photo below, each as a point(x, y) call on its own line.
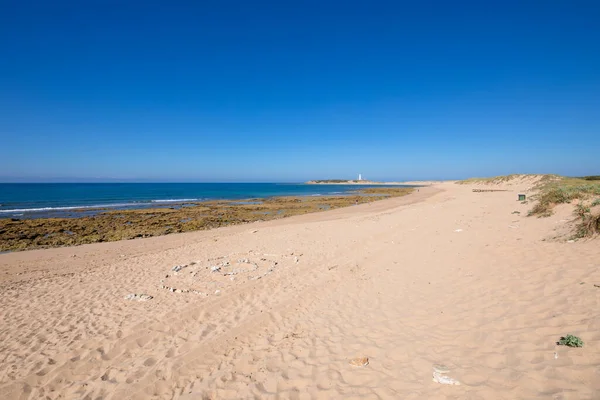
point(95, 206)
point(16, 210)
point(173, 200)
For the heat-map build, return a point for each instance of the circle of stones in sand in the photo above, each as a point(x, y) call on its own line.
point(210, 275)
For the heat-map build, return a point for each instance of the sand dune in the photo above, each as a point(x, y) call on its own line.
point(444, 276)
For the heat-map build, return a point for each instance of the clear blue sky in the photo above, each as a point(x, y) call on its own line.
point(289, 91)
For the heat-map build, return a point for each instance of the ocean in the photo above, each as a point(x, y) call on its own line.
point(60, 200)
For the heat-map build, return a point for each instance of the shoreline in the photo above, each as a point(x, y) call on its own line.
point(75, 209)
point(118, 249)
point(110, 225)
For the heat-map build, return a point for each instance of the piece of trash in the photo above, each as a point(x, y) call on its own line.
point(555, 355)
point(178, 268)
point(215, 268)
point(439, 376)
point(359, 362)
point(570, 241)
point(458, 230)
point(217, 292)
point(138, 297)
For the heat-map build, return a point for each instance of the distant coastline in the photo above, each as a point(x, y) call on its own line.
point(349, 182)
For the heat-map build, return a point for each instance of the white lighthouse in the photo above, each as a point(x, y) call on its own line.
point(359, 177)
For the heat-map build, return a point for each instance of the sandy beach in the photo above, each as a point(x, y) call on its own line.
point(279, 309)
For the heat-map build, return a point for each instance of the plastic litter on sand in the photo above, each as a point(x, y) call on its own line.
point(439, 376)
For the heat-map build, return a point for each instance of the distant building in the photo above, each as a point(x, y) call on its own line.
point(359, 177)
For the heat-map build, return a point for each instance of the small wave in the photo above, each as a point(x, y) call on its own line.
point(173, 200)
point(114, 205)
point(21, 210)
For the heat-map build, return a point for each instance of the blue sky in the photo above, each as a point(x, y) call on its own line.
point(290, 91)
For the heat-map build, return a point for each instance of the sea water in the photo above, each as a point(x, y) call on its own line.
point(43, 200)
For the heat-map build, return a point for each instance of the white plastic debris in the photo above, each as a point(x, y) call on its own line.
point(439, 375)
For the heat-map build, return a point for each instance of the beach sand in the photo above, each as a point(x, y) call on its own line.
point(444, 276)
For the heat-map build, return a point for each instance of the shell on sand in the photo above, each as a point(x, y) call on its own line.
point(444, 380)
point(359, 361)
point(441, 368)
point(439, 371)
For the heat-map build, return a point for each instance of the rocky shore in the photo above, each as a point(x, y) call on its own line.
point(16, 234)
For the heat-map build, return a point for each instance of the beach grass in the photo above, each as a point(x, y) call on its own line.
point(495, 180)
point(565, 190)
point(551, 190)
point(583, 193)
point(489, 180)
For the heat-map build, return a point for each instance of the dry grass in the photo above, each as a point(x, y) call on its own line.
point(488, 181)
point(588, 226)
point(585, 193)
point(496, 180)
point(551, 190)
point(562, 191)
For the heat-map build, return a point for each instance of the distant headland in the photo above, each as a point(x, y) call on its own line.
point(348, 182)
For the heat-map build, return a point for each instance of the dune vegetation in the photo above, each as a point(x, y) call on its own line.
point(539, 179)
point(583, 193)
point(551, 190)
